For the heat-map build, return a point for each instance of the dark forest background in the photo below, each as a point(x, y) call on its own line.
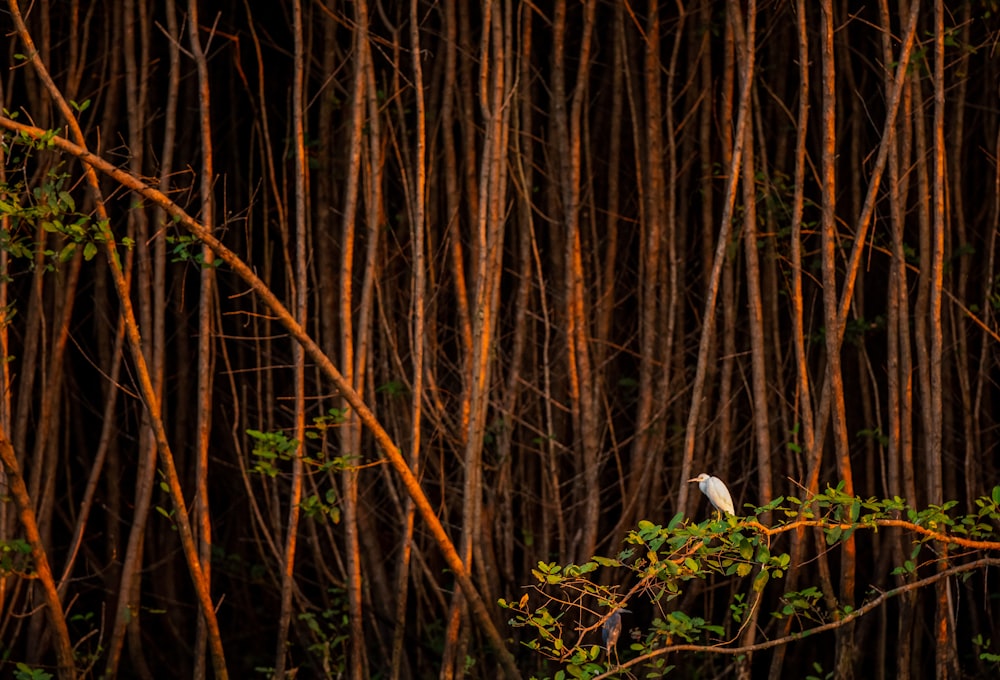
point(488, 282)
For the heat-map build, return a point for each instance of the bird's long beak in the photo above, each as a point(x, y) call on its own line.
point(693, 480)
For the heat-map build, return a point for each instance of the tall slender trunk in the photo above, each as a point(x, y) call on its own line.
point(495, 83)
point(299, 290)
point(803, 402)
point(53, 608)
point(946, 659)
point(418, 287)
point(720, 255)
point(834, 377)
point(206, 314)
point(650, 156)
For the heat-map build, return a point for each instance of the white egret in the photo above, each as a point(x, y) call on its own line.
point(717, 493)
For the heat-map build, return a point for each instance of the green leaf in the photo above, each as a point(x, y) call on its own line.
point(676, 519)
point(67, 252)
point(763, 554)
point(67, 201)
point(772, 505)
point(833, 535)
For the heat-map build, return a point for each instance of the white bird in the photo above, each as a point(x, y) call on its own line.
point(717, 493)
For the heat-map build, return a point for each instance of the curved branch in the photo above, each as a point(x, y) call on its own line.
point(900, 523)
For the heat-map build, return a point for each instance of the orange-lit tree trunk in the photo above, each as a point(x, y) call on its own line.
point(352, 347)
point(583, 400)
point(648, 133)
point(899, 375)
point(488, 237)
point(418, 291)
point(721, 250)
point(300, 294)
point(803, 402)
point(945, 659)
point(53, 608)
point(206, 315)
point(834, 378)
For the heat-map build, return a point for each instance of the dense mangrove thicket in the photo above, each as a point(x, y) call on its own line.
point(326, 321)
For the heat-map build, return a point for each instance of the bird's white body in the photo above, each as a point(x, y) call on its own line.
point(717, 492)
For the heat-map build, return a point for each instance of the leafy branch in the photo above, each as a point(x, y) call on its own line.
point(661, 560)
point(854, 614)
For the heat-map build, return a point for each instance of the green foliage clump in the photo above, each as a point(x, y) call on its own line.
point(271, 450)
point(15, 558)
point(30, 204)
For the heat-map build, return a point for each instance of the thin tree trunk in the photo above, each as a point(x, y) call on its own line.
point(127, 621)
point(900, 371)
point(418, 291)
point(649, 154)
point(206, 362)
point(26, 513)
point(721, 248)
point(803, 393)
point(730, 293)
point(834, 378)
point(489, 234)
point(300, 293)
point(945, 660)
point(350, 433)
point(585, 398)
point(745, 42)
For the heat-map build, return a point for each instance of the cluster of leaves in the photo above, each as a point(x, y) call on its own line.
point(329, 630)
point(657, 562)
point(49, 206)
point(46, 203)
point(15, 558)
point(188, 248)
point(272, 449)
point(23, 671)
